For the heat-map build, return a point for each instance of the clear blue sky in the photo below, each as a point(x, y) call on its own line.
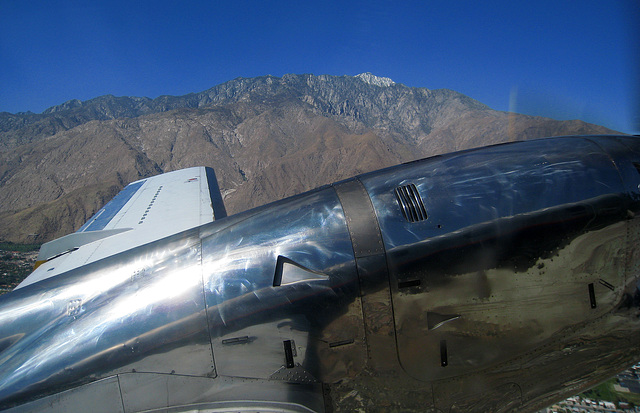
point(562, 59)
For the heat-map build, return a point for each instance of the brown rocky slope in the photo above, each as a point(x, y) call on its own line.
point(267, 138)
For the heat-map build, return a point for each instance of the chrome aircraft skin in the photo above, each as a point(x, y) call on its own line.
point(495, 279)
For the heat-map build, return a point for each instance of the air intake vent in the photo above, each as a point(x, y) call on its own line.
point(410, 203)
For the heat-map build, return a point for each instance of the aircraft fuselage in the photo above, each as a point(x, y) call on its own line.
point(493, 279)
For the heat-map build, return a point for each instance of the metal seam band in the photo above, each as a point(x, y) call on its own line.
point(371, 265)
point(361, 219)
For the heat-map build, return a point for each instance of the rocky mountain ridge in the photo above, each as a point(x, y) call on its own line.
point(266, 137)
point(338, 95)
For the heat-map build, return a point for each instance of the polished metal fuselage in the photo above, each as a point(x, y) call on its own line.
point(508, 279)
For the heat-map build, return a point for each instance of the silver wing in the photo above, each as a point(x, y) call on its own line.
point(144, 211)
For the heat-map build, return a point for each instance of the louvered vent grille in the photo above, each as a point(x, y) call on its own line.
point(411, 203)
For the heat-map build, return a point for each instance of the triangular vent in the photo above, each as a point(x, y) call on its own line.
point(411, 203)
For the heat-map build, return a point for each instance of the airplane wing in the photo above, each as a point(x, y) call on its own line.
point(144, 211)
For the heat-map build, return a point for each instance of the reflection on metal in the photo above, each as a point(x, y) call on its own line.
point(526, 226)
point(336, 300)
point(104, 320)
point(9, 341)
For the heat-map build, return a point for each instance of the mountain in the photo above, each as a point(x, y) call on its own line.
point(266, 137)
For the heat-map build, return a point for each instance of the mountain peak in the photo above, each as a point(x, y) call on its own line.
point(69, 104)
point(372, 79)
